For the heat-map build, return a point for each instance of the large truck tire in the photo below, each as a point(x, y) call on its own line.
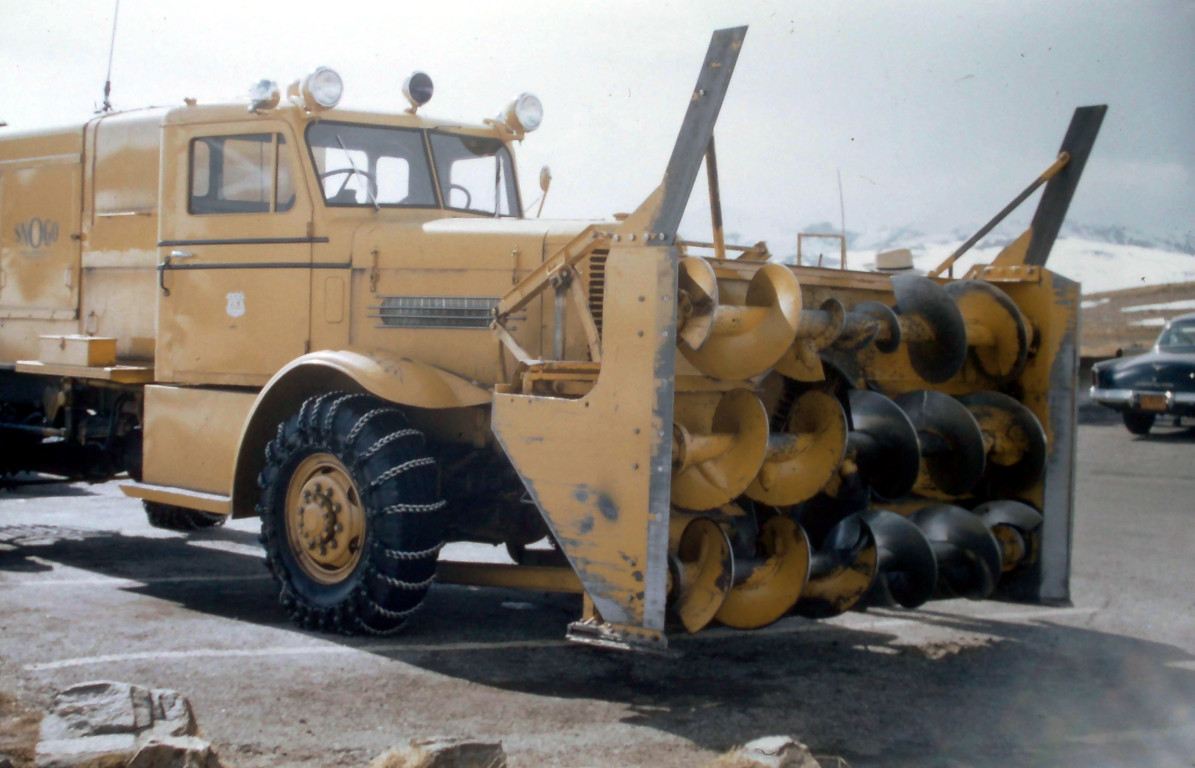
point(172, 518)
point(348, 506)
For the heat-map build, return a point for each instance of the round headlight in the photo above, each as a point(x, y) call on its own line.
point(264, 95)
point(418, 89)
point(323, 88)
point(524, 114)
point(529, 111)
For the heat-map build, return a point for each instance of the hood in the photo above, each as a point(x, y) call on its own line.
point(464, 242)
point(1155, 370)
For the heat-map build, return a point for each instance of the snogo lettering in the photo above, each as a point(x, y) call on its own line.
point(37, 233)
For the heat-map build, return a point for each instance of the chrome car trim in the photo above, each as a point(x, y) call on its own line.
point(1132, 397)
point(1120, 396)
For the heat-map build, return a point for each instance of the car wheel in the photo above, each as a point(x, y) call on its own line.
point(348, 515)
point(171, 518)
point(1138, 423)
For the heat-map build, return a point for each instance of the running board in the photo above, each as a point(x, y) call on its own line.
point(215, 503)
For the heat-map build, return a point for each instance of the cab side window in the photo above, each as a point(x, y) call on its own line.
point(249, 173)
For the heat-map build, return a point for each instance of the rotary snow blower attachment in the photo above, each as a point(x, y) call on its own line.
point(825, 439)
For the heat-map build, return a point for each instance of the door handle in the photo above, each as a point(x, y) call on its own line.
point(165, 265)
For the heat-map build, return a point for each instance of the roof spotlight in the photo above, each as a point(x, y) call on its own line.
point(264, 95)
point(418, 89)
point(524, 114)
point(321, 89)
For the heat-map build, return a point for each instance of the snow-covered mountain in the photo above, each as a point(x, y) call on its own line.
point(1101, 258)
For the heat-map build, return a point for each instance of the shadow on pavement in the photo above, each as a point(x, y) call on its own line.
point(1036, 694)
point(24, 485)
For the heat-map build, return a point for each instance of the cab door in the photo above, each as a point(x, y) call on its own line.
point(234, 254)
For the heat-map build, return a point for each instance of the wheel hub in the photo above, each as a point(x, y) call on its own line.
point(325, 521)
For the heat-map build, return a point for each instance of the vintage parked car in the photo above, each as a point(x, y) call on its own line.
point(1160, 382)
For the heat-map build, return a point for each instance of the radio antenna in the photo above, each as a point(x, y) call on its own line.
point(107, 107)
point(841, 206)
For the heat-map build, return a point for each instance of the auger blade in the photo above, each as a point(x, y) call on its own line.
point(969, 559)
point(907, 568)
point(1017, 528)
point(709, 470)
point(701, 568)
point(841, 570)
point(952, 448)
point(932, 326)
point(802, 459)
point(884, 443)
point(698, 301)
point(996, 330)
point(747, 339)
point(768, 587)
point(1015, 441)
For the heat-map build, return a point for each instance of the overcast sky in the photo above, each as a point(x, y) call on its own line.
point(935, 113)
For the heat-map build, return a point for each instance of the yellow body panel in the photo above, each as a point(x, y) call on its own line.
point(600, 464)
point(39, 239)
point(191, 436)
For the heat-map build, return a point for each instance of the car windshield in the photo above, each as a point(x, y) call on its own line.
point(374, 166)
point(1178, 334)
point(476, 174)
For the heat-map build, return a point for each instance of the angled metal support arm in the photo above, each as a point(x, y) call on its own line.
point(1061, 179)
point(659, 216)
point(1051, 210)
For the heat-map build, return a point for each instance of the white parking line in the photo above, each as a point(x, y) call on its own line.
point(232, 653)
point(248, 550)
point(116, 581)
point(1134, 736)
point(782, 628)
point(932, 618)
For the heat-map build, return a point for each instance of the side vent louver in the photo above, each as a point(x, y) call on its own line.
point(596, 287)
point(435, 312)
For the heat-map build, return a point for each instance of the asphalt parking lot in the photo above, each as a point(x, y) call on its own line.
point(89, 591)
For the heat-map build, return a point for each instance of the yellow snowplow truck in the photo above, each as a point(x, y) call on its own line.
point(344, 323)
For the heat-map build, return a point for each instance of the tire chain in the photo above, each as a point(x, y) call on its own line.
point(396, 575)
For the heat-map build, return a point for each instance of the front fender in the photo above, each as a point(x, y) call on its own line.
point(390, 377)
point(382, 373)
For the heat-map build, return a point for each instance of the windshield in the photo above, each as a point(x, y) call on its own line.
point(476, 174)
point(374, 166)
point(1178, 334)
